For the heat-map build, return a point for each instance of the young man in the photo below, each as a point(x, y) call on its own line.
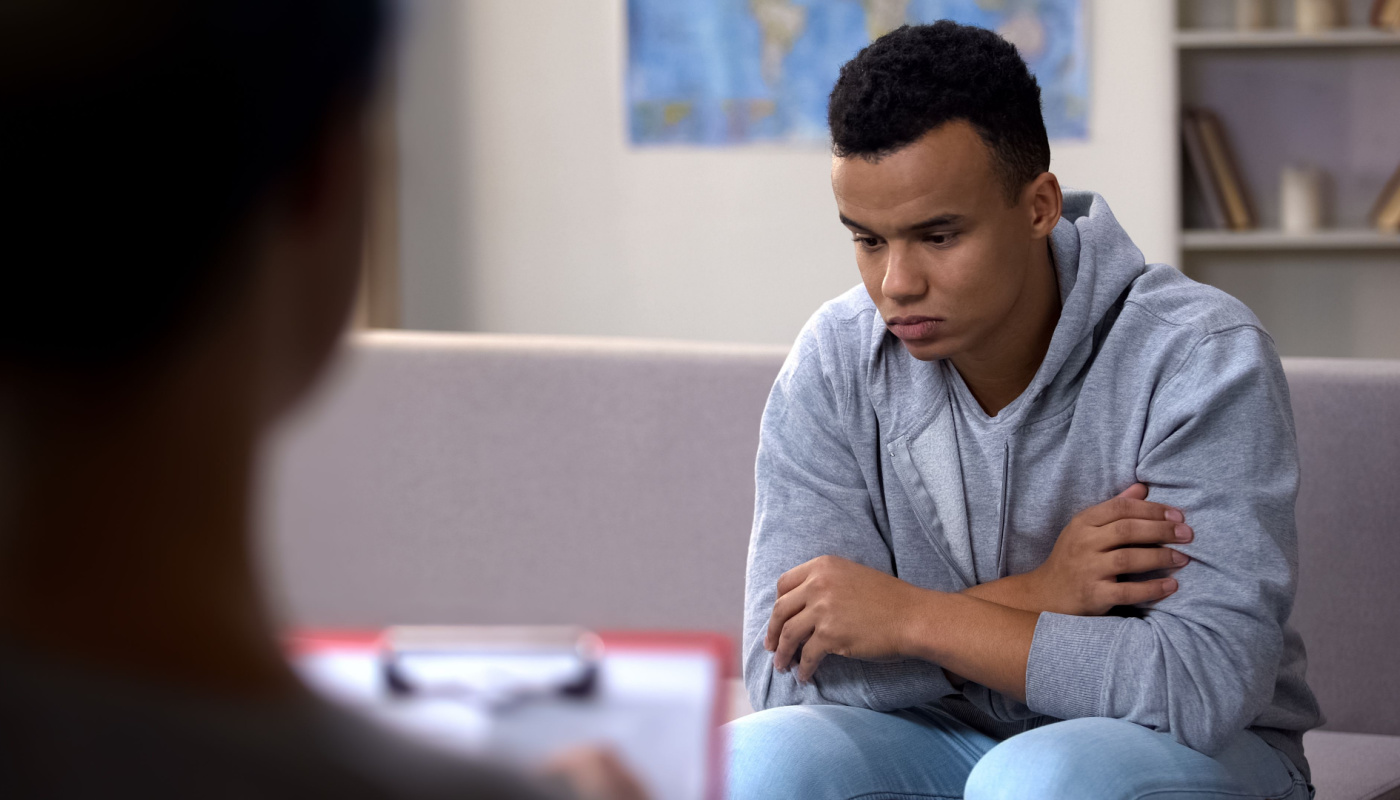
point(940, 601)
point(181, 215)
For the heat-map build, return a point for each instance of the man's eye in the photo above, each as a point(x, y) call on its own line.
point(868, 242)
point(940, 239)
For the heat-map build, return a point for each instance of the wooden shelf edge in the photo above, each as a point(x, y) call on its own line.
point(1208, 39)
point(1264, 240)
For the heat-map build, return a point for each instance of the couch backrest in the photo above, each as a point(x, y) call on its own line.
point(471, 478)
point(1348, 606)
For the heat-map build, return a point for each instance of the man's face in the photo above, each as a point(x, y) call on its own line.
point(941, 253)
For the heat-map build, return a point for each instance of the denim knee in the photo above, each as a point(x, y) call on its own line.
point(786, 752)
point(1109, 758)
point(1057, 762)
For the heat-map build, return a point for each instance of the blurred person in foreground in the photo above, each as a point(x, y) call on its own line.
point(183, 184)
point(957, 584)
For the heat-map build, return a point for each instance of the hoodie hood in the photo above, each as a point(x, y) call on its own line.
point(1095, 260)
point(1096, 263)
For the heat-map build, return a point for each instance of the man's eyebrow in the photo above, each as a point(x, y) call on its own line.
point(932, 222)
point(850, 223)
point(937, 222)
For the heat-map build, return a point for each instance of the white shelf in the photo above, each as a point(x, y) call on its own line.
point(1211, 39)
point(1361, 239)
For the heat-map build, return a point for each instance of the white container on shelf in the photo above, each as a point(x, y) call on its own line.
point(1300, 198)
point(1251, 15)
point(1316, 16)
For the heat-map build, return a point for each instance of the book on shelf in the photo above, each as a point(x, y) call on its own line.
point(1200, 168)
point(1386, 215)
point(1385, 14)
point(1222, 172)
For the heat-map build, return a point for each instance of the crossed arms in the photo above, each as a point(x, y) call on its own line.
point(830, 605)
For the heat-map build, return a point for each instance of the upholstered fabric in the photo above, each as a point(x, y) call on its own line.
point(467, 478)
point(1354, 766)
point(471, 478)
point(1348, 606)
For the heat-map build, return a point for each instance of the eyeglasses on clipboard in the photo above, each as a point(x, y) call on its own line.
point(494, 668)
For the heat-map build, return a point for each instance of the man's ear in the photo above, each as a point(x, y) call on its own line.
point(1046, 204)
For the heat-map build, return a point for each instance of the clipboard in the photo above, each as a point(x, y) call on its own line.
point(661, 705)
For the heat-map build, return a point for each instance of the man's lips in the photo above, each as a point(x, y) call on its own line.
point(913, 329)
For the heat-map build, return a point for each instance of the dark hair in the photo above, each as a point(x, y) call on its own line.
point(136, 139)
point(918, 77)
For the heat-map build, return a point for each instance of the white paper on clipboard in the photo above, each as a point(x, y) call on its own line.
point(658, 703)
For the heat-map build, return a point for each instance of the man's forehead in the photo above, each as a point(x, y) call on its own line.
point(947, 170)
point(896, 206)
point(912, 217)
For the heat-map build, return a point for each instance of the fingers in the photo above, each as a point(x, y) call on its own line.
point(795, 634)
point(793, 578)
point(1122, 507)
point(812, 654)
point(1132, 593)
point(1140, 531)
point(1137, 491)
point(784, 609)
point(1132, 560)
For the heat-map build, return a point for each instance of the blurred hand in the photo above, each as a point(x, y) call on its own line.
point(595, 773)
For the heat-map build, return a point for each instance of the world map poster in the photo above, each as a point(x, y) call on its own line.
point(721, 72)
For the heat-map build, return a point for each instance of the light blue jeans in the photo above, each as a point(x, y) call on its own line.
point(837, 752)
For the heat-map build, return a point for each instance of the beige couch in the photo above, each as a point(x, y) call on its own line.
point(469, 478)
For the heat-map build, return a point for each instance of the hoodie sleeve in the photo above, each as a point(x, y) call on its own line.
point(1201, 664)
point(812, 499)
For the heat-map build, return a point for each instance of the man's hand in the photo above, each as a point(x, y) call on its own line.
point(1123, 536)
point(831, 605)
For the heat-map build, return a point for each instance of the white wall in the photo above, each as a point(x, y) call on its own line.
point(524, 209)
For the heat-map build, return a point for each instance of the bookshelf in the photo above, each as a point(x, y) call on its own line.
point(1330, 100)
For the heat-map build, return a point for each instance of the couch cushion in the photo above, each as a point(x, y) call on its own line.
point(1348, 605)
point(1354, 766)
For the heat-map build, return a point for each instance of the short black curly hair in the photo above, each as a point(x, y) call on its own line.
point(918, 77)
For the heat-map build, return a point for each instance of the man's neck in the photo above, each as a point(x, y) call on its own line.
point(125, 544)
point(999, 371)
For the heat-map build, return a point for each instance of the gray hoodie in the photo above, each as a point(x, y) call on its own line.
point(869, 454)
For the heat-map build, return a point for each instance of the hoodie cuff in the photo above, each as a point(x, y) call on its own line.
point(1068, 662)
point(903, 684)
point(996, 705)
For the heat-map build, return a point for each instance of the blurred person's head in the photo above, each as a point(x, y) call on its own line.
point(182, 188)
point(940, 170)
point(182, 191)
point(175, 173)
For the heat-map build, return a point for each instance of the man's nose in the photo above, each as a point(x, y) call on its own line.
point(904, 278)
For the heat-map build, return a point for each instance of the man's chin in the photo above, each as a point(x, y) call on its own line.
point(933, 350)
